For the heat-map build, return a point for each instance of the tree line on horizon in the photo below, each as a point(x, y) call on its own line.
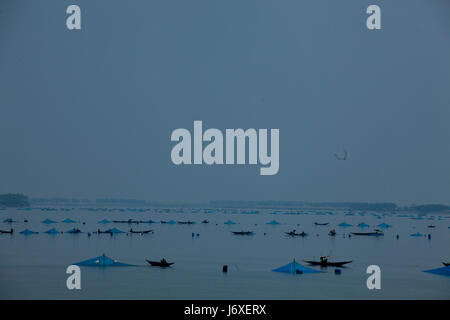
point(360, 206)
point(21, 200)
point(14, 200)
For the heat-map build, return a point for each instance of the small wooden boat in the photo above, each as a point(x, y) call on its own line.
point(10, 231)
point(186, 222)
point(163, 263)
point(205, 221)
point(293, 234)
point(332, 232)
point(431, 226)
point(376, 233)
point(326, 263)
point(144, 231)
point(247, 233)
point(446, 264)
point(321, 224)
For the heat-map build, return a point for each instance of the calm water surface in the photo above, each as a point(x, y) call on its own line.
point(34, 266)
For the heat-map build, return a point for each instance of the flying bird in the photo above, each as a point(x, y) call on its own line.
point(343, 157)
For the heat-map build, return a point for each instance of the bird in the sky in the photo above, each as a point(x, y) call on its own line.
point(343, 157)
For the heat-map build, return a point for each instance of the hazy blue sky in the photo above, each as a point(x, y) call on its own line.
point(89, 113)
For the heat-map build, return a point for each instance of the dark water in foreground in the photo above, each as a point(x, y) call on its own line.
point(34, 266)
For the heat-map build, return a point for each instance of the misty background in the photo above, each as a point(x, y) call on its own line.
point(89, 113)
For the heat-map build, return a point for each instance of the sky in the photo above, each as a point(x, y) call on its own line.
point(89, 113)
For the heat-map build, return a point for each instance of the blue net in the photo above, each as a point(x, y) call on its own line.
point(295, 268)
point(52, 231)
point(48, 221)
point(444, 271)
point(102, 261)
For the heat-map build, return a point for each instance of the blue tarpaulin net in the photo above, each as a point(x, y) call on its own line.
point(28, 232)
point(344, 224)
point(52, 231)
point(363, 225)
point(384, 225)
point(102, 261)
point(295, 268)
point(114, 230)
point(444, 271)
point(48, 221)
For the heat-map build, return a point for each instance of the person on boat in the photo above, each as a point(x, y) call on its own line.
point(323, 259)
point(163, 261)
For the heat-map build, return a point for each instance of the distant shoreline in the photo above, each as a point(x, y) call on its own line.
point(228, 204)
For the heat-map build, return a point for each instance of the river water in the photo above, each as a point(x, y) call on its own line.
point(34, 266)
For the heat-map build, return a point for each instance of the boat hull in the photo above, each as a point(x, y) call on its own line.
point(160, 264)
point(327, 264)
point(296, 234)
point(375, 234)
